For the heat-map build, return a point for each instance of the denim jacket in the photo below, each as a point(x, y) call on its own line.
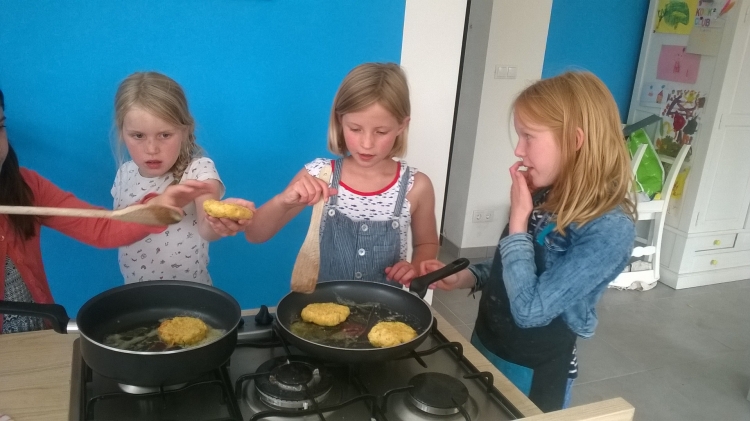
point(578, 268)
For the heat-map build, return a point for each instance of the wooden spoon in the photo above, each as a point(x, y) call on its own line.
point(307, 265)
point(141, 214)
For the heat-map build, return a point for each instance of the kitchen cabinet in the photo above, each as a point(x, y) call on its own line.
point(36, 369)
point(706, 239)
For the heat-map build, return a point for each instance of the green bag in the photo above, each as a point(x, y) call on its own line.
point(649, 175)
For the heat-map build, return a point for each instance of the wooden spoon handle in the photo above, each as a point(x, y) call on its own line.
point(44, 211)
point(313, 231)
point(307, 265)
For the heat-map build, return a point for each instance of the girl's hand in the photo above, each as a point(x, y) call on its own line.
point(402, 272)
point(521, 204)
point(180, 195)
point(448, 283)
point(305, 190)
point(227, 227)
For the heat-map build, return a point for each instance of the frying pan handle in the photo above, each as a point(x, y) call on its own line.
point(419, 285)
point(55, 313)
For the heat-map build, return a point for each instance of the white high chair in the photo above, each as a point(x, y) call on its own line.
point(654, 211)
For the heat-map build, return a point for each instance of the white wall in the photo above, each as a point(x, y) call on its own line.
point(430, 56)
point(462, 155)
point(518, 36)
point(433, 32)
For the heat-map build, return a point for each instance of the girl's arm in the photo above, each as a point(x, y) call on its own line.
point(423, 225)
point(423, 229)
point(97, 232)
point(180, 195)
point(461, 280)
point(303, 190)
point(204, 226)
point(597, 253)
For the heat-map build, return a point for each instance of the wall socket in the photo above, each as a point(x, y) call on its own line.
point(482, 216)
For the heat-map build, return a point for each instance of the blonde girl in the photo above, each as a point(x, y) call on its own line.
point(374, 198)
point(24, 278)
point(152, 120)
point(570, 232)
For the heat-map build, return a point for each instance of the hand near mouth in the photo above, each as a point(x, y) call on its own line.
point(521, 204)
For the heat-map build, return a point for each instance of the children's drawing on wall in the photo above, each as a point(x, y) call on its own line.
point(655, 93)
point(728, 5)
point(706, 13)
point(681, 115)
point(675, 16)
point(677, 65)
point(705, 38)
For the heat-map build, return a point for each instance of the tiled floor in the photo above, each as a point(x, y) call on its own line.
point(674, 355)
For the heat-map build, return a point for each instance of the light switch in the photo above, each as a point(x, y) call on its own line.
point(512, 72)
point(501, 72)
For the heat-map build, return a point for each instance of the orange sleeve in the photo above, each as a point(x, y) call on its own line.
point(97, 232)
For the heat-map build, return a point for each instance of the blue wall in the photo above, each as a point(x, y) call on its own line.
point(259, 75)
point(603, 37)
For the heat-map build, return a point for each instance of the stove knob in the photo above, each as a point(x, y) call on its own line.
point(263, 318)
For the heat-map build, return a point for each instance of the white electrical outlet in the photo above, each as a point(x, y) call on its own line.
point(482, 216)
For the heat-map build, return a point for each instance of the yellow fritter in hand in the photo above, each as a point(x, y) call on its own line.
point(219, 209)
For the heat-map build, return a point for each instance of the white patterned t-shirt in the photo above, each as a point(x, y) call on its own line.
point(373, 207)
point(178, 253)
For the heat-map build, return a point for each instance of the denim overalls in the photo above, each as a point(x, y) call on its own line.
point(359, 250)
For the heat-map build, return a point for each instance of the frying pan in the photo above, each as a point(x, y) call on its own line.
point(370, 303)
point(126, 307)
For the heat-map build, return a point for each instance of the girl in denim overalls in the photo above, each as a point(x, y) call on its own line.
point(372, 199)
point(570, 233)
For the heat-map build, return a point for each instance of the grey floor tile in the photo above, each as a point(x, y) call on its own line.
point(457, 295)
point(654, 337)
point(466, 330)
point(597, 360)
point(617, 297)
point(460, 309)
point(722, 381)
point(466, 311)
point(722, 315)
point(712, 390)
point(650, 393)
point(446, 313)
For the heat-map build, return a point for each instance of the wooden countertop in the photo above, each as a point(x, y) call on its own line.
point(35, 380)
point(35, 375)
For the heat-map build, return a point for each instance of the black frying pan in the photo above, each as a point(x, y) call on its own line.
point(126, 307)
point(369, 303)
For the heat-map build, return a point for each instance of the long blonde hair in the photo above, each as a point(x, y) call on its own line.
point(596, 177)
point(163, 97)
point(366, 84)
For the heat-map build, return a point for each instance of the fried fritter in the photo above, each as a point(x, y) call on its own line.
point(385, 334)
point(183, 331)
point(219, 209)
point(325, 314)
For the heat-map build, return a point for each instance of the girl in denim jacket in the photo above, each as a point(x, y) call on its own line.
point(570, 233)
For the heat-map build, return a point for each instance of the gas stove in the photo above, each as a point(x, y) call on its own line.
point(266, 379)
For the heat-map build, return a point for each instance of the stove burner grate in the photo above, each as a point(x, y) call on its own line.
point(438, 393)
point(142, 390)
point(292, 382)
